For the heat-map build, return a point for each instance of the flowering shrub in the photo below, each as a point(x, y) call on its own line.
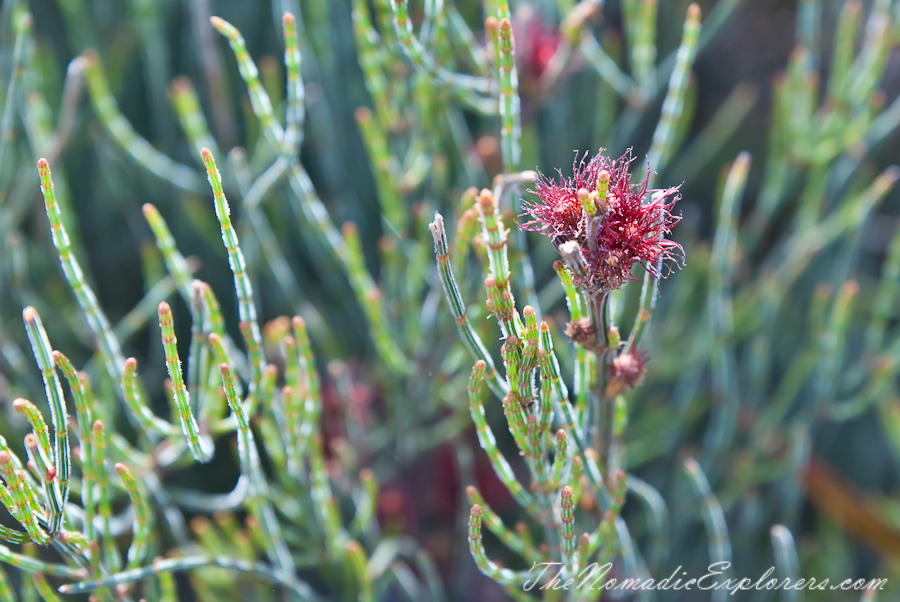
point(207, 372)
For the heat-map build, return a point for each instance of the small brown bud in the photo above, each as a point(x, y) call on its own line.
point(471, 492)
point(486, 200)
point(199, 524)
point(488, 150)
point(581, 331)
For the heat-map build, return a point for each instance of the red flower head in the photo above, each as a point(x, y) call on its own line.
point(601, 210)
point(537, 43)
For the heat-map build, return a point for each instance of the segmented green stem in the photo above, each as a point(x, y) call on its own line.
point(661, 148)
point(385, 167)
point(312, 405)
point(259, 504)
point(503, 305)
point(23, 33)
point(498, 528)
point(417, 54)
point(87, 300)
point(256, 569)
point(567, 415)
point(452, 294)
point(190, 115)
point(842, 54)
point(367, 43)
point(385, 16)
point(141, 151)
point(292, 420)
point(517, 375)
point(20, 499)
point(198, 353)
point(293, 131)
point(465, 38)
point(643, 50)
point(365, 501)
point(885, 297)
point(228, 387)
point(6, 591)
point(786, 560)
point(98, 444)
point(323, 499)
point(485, 565)
point(41, 465)
point(530, 350)
point(583, 360)
point(304, 194)
point(489, 442)
point(545, 407)
point(868, 67)
point(604, 537)
point(141, 412)
point(142, 516)
point(713, 517)
point(559, 387)
point(848, 217)
point(58, 491)
point(175, 262)
point(515, 419)
point(317, 216)
point(242, 286)
point(832, 341)
point(33, 565)
point(84, 416)
point(10, 504)
point(567, 529)
point(262, 106)
point(292, 407)
point(358, 561)
point(370, 297)
point(36, 420)
point(562, 454)
point(12, 536)
point(605, 66)
point(721, 310)
point(200, 446)
point(510, 103)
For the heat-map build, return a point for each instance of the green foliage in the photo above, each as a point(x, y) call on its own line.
point(254, 467)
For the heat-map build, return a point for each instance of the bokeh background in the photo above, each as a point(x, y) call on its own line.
point(834, 483)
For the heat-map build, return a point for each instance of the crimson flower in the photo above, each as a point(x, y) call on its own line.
point(619, 230)
point(537, 44)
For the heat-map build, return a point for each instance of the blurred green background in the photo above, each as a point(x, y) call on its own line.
point(762, 476)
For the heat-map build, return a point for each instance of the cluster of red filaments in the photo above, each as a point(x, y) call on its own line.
point(617, 229)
